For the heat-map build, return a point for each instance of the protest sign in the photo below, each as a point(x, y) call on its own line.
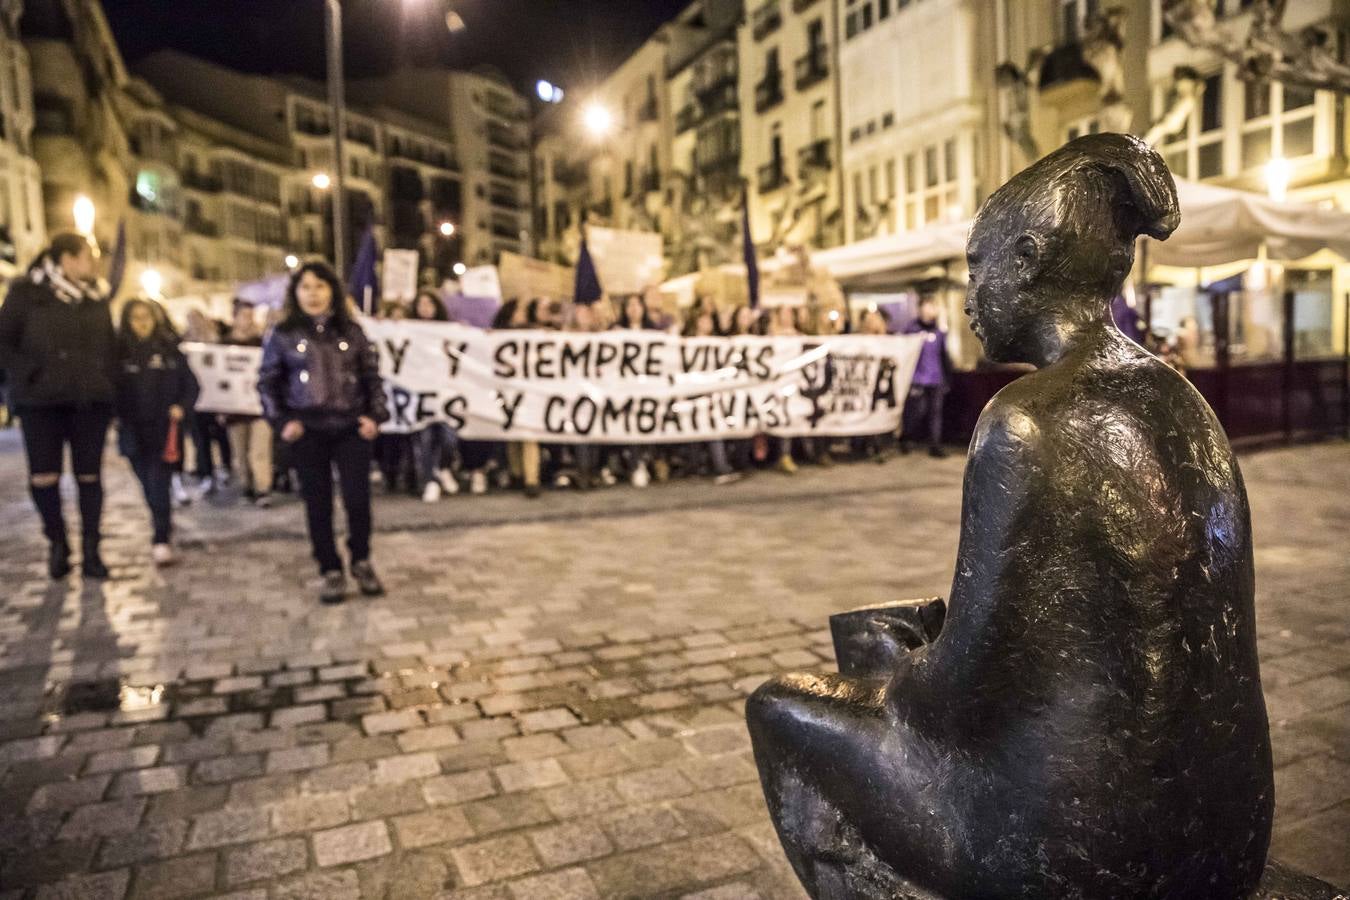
point(625, 261)
point(524, 277)
point(619, 386)
point(481, 281)
point(399, 277)
point(228, 377)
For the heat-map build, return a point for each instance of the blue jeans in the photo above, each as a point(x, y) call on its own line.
point(431, 446)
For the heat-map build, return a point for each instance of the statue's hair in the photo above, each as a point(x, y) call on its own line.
point(1093, 196)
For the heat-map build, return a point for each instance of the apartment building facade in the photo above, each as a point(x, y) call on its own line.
point(789, 97)
point(22, 223)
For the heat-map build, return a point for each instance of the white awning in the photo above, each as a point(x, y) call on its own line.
point(1222, 225)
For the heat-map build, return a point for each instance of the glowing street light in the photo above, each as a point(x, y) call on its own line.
point(1278, 172)
point(448, 229)
point(292, 260)
point(598, 120)
point(548, 91)
point(460, 268)
point(83, 211)
point(321, 181)
point(152, 282)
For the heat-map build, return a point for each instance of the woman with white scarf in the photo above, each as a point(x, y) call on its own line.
point(58, 347)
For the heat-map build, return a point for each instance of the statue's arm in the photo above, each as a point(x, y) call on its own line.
point(1007, 532)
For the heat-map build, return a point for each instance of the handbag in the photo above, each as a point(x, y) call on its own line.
point(171, 451)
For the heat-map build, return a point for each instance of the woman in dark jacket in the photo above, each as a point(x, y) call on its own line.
point(155, 391)
point(58, 347)
point(322, 392)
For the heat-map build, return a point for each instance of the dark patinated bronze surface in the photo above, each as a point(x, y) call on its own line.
point(1089, 722)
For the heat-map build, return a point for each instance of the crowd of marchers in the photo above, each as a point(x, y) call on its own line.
point(71, 375)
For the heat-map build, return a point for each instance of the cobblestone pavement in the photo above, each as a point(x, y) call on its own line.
point(548, 702)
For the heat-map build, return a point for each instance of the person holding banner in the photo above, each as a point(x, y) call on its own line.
point(59, 348)
point(250, 437)
point(320, 386)
point(433, 446)
point(155, 389)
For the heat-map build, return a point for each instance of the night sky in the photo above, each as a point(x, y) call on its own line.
point(569, 42)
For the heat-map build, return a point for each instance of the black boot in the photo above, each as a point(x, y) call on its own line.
point(58, 559)
point(92, 564)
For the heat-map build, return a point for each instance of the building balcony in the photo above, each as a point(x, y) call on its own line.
point(504, 170)
point(769, 93)
point(724, 161)
point(504, 231)
point(503, 108)
point(766, 20)
point(504, 139)
point(687, 118)
point(814, 157)
point(506, 201)
point(706, 87)
point(305, 208)
point(799, 5)
point(772, 176)
point(570, 175)
point(313, 129)
point(202, 227)
point(812, 68)
point(196, 181)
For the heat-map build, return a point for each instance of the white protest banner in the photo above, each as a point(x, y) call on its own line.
point(640, 386)
point(481, 281)
point(615, 386)
point(626, 262)
point(228, 377)
point(399, 277)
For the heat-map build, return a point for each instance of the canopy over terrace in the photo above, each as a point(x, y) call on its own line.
point(1219, 225)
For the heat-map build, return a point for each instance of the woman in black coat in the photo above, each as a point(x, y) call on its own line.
point(155, 390)
point(58, 348)
point(322, 392)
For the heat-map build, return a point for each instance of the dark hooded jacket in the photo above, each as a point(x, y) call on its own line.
point(152, 375)
point(56, 353)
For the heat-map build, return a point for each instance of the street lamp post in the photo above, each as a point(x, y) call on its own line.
point(338, 113)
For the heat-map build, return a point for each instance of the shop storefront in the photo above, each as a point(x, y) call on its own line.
point(1250, 298)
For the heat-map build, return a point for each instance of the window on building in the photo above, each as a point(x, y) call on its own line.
point(883, 9)
point(931, 189)
point(1073, 14)
point(887, 120)
point(851, 25)
point(1088, 125)
point(819, 128)
point(1196, 151)
point(1278, 121)
point(867, 16)
point(890, 178)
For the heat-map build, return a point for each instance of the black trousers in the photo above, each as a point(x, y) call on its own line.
point(47, 431)
point(314, 457)
point(924, 409)
point(207, 431)
point(156, 476)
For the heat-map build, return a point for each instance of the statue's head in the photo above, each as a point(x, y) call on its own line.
point(1054, 244)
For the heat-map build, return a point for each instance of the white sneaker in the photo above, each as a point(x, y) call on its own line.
point(180, 494)
point(448, 482)
point(162, 555)
point(562, 481)
point(431, 493)
point(478, 482)
point(607, 477)
point(641, 478)
point(205, 487)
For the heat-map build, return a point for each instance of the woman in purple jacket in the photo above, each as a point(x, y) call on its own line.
point(931, 379)
point(322, 392)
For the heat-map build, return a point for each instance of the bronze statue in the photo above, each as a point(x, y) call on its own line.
point(1089, 720)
